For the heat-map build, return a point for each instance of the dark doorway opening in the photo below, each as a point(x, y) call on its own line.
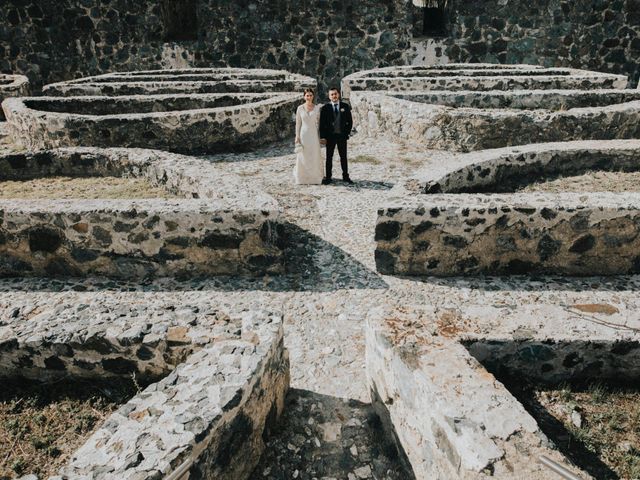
point(434, 23)
point(180, 20)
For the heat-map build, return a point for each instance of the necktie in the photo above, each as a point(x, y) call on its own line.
point(335, 109)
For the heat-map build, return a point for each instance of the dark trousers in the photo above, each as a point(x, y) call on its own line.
point(341, 143)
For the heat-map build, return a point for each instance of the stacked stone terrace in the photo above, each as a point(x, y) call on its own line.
point(432, 378)
point(185, 111)
point(219, 227)
point(466, 108)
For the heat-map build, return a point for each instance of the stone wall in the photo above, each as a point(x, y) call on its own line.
point(206, 123)
point(220, 227)
point(225, 379)
point(568, 234)
point(452, 419)
point(58, 40)
point(600, 35)
point(12, 86)
point(466, 129)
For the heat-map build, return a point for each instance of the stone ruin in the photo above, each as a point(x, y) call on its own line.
point(187, 111)
point(220, 375)
point(12, 86)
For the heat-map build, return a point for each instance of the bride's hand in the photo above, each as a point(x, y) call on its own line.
point(297, 140)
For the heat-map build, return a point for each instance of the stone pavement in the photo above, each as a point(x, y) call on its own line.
point(328, 430)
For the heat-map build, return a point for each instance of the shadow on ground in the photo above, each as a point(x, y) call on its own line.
point(311, 265)
point(320, 436)
point(525, 283)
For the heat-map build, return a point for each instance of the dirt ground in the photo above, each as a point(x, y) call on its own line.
point(42, 424)
point(597, 427)
point(590, 182)
point(81, 187)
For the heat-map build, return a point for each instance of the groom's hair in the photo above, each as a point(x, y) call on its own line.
point(334, 88)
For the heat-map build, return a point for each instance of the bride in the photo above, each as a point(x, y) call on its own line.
point(309, 167)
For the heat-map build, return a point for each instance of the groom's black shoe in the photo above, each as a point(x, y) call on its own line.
point(326, 181)
point(347, 180)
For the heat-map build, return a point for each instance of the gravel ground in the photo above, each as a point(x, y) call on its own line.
point(329, 431)
point(81, 188)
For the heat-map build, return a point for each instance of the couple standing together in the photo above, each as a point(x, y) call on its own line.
point(329, 125)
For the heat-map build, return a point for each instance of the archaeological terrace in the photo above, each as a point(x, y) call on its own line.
point(273, 330)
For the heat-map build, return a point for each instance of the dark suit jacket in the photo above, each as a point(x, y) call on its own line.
point(326, 121)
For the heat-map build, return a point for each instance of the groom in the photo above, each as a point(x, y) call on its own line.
point(335, 127)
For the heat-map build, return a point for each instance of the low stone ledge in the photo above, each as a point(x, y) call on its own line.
point(451, 417)
point(249, 120)
point(478, 77)
point(466, 129)
point(506, 169)
point(225, 388)
point(464, 234)
point(12, 86)
point(192, 80)
point(136, 239)
point(92, 339)
point(551, 100)
point(209, 417)
point(222, 227)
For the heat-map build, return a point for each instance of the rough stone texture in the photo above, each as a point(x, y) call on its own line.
point(507, 169)
point(599, 35)
point(207, 417)
point(467, 129)
point(328, 290)
point(181, 123)
point(191, 80)
point(551, 100)
point(90, 340)
point(53, 41)
point(464, 234)
point(479, 77)
point(226, 379)
point(452, 417)
point(567, 234)
point(12, 86)
point(221, 228)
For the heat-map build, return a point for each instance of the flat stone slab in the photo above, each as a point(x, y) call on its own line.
point(220, 228)
point(12, 86)
point(191, 80)
point(185, 123)
point(226, 379)
point(477, 77)
point(452, 417)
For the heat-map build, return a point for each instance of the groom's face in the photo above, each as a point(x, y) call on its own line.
point(334, 95)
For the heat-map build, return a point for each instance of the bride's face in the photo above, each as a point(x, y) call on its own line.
point(308, 97)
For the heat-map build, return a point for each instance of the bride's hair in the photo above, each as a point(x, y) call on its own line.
point(309, 90)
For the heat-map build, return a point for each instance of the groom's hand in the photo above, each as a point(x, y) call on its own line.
point(323, 141)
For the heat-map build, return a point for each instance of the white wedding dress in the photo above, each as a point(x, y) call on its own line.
point(309, 167)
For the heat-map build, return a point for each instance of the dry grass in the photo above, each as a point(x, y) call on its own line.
point(610, 423)
point(81, 187)
point(590, 182)
point(365, 159)
point(42, 425)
